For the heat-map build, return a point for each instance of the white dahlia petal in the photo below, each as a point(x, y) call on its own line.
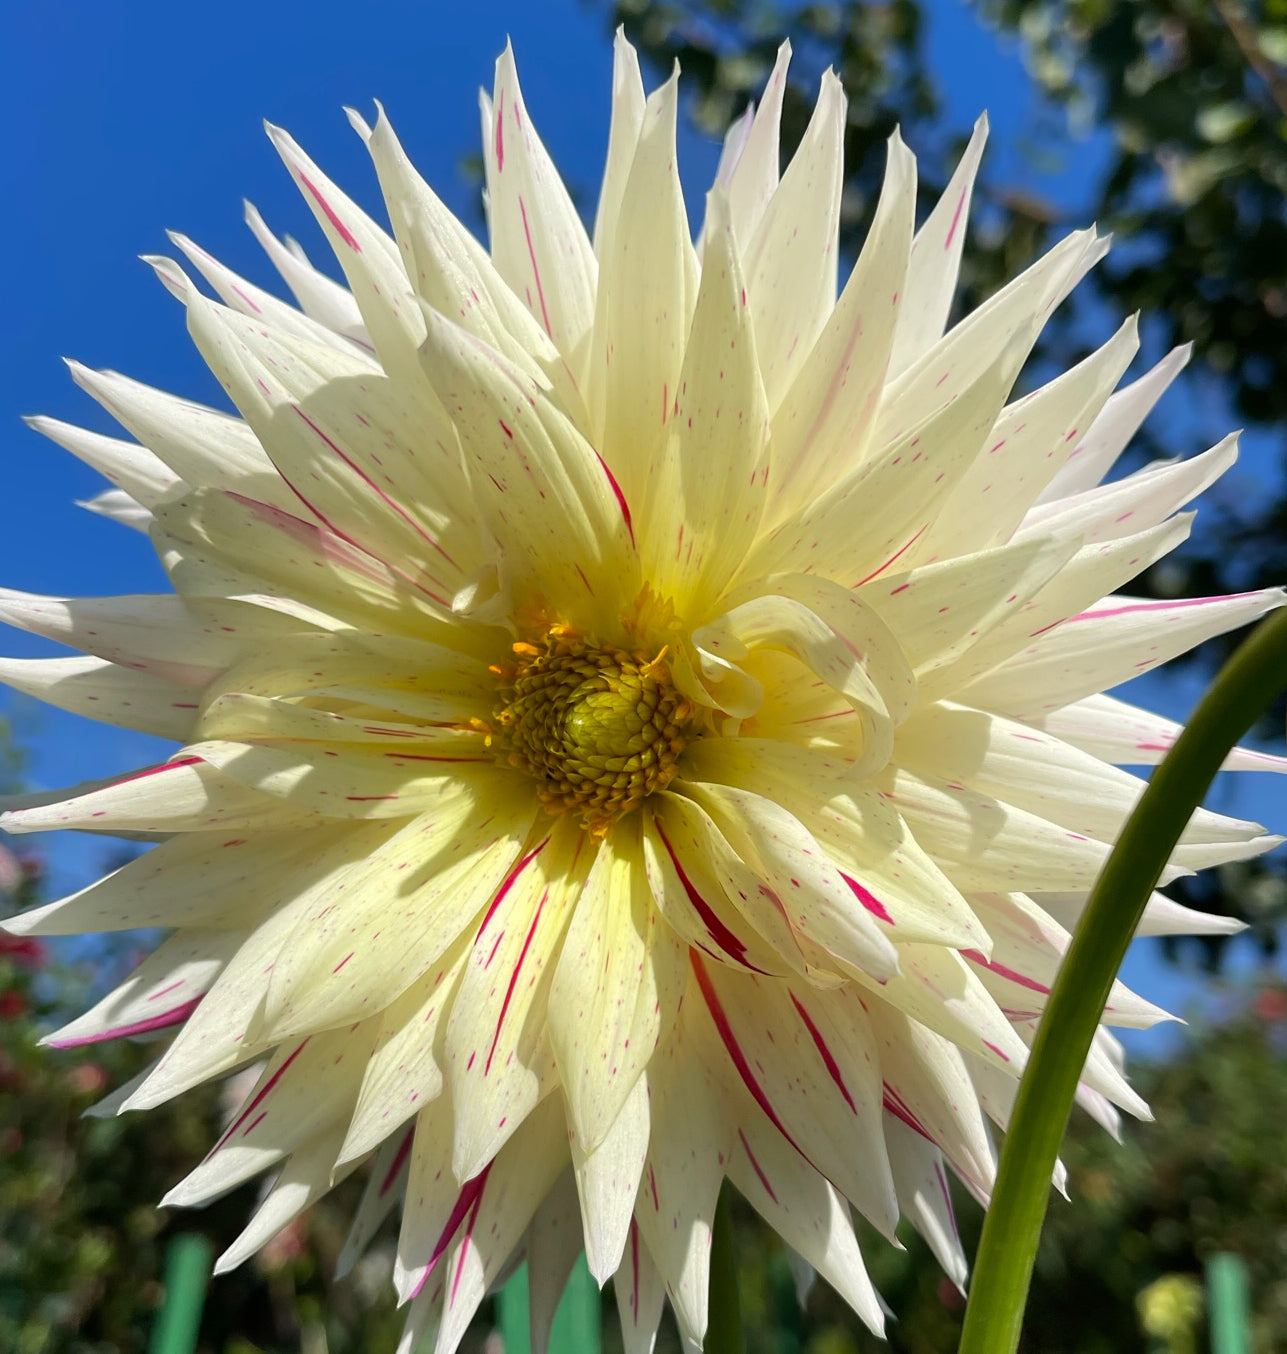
point(553, 1243)
point(628, 100)
point(642, 716)
point(1024, 449)
point(608, 1179)
point(105, 691)
point(793, 253)
point(370, 261)
point(931, 280)
point(200, 446)
point(162, 992)
point(539, 245)
point(138, 473)
point(117, 506)
point(307, 1174)
point(750, 163)
point(241, 295)
point(1119, 420)
point(807, 1212)
point(924, 1194)
point(319, 297)
point(647, 288)
point(1140, 500)
point(827, 416)
point(615, 991)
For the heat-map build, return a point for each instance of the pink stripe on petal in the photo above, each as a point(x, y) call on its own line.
point(902, 550)
point(343, 231)
point(536, 272)
point(833, 1068)
point(1002, 971)
point(174, 1016)
point(759, 1170)
point(255, 1103)
point(867, 899)
point(384, 498)
point(513, 979)
point(464, 1248)
point(155, 770)
point(508, 882)
point(621, 497)
point(947, 1195)
point(399, 1160)
point(956, 219)
point(500, 131)
point(894, 1103)
point(634, 1267)
point(735, 1050)
point(718, 932)
point(470, 1196)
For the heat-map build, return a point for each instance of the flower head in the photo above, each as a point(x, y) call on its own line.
point(641, 715)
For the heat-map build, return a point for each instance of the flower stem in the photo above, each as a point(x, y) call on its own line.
point(1243, 690)
point(724, 1328)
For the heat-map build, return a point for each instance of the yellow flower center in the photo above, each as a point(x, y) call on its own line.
point(597, 727)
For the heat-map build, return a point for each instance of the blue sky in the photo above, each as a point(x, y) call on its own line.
point(126, 120)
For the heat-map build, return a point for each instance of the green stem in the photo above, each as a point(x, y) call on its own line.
point(1244, 689)
point(724, 1327)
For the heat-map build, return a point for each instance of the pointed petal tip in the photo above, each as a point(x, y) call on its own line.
point(358, 122)
point(171, 276)
point(173, 1198)
point(228, 1261)
point(285, 144)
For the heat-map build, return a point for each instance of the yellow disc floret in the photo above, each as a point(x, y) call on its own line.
point(598, 728)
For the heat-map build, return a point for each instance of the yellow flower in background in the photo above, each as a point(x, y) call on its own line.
point(641, 715)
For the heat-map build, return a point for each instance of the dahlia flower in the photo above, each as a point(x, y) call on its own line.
point(641, 712)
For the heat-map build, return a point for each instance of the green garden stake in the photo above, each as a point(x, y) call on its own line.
point(187, 1271)
point(511, 1313)
point(1228, 1304)
point(576, 1322)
